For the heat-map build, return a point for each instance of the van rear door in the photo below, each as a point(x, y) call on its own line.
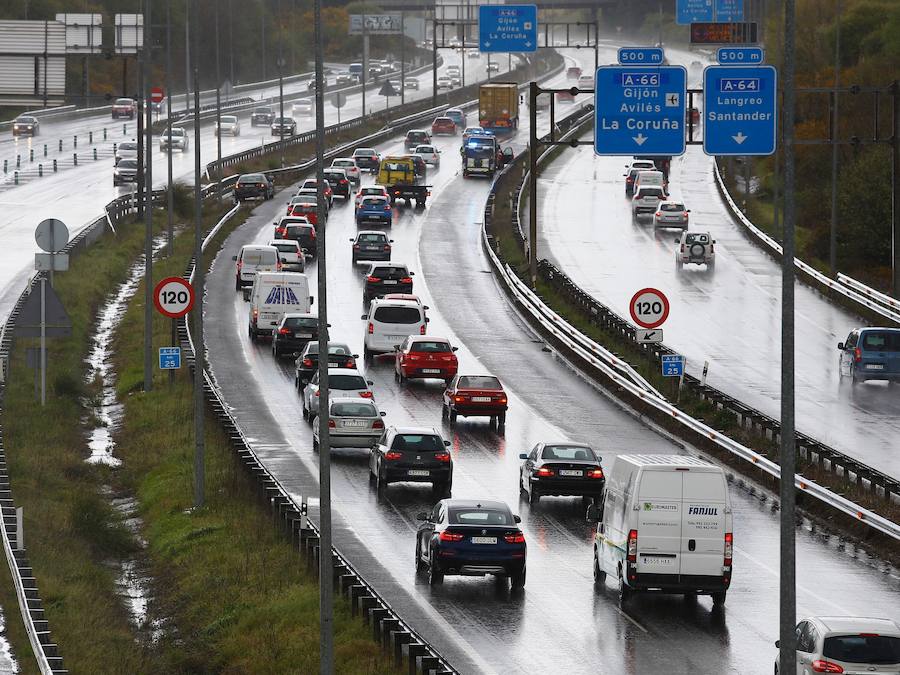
point(281, 296)
point(659, 522)
point(703, 523)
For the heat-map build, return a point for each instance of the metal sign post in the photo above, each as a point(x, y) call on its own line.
point(148, 193)
point(199, 275)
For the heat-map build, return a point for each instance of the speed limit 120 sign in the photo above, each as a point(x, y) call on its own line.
point(649, 308)
point(173, 297)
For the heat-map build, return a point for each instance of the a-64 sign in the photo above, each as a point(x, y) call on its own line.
point(649, 308)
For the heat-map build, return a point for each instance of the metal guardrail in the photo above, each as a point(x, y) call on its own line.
point(807, 271)
point(879, 297)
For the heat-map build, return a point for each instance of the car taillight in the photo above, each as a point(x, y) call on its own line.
point(406, 280)
point(350, 364)
point(545, 472)
point(343, 181)
point(378, 424)
point(355, 245)
point(684, 215)
point(413, 357)
point(632, 546)
point(595, 473)
point(823, 666)
point(517, 538)
point(387, 207)
point(312, 233)
point(729, 548)
point(501, 399)
point(284, 331)
point(450, 536)
point(365, 394)
point(317, 393)
point(712, 248)
point(442, 456)
point(658, 214)
point(682, 248)
point(280, 231)
point(278, 265)
point(387, 247)
point(371, 328)
point(331, 424)
point(857, 355)
point(422, 329)
point(240, 264)
point(255, 315)
point(373, 280)
point(393, 456)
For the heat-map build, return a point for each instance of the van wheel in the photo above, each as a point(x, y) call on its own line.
point(501, 419)
point(718, 598)
point(237, 284)
point(624, 591)
point(251, 333)
point(599, 574)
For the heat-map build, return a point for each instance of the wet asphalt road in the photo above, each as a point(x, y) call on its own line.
point(559, 622)
point(731, 316)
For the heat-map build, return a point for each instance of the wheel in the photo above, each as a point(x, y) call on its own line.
point(275, 352)
point(718, 598)
point(452, 415)
point(315, 444)
point(435, 576)
point(679, 265)
point(380, 483)
point(854, 380)
point(305, 410)
point(599, 574)
point(534, 496)
point(420, 564)
point(711, 265)
point(367, 355)
point(444, 411)
point(444, 488)
point(517, 580)
point(624, 591)
point(251, 333)
point(501, 419)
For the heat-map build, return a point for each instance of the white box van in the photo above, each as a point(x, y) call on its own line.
point(273, 295)
point(253, 259)
point(390, 322)
point(650, 178)
point(665, 525)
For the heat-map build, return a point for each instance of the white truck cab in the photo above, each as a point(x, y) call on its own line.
point(665, 525)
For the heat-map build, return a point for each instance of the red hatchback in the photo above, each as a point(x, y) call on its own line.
point(305, 209)
point(475, 396)
point(443, 125)
point(421, 356)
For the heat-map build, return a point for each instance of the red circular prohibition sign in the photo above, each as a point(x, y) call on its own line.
point(173, 297)
point(651, 295)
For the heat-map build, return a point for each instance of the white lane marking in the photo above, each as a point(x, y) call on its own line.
point(631, 620)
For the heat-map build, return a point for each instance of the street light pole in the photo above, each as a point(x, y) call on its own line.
point(218, 118)
point(281, 106)
point(148, 193)
point(326, 564)
point(832, 247)
point(199, 280)
point(170, 197)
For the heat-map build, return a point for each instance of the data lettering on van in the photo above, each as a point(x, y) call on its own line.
point(282, 295)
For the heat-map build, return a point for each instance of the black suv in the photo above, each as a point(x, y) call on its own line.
point(262, 117)
point(339, 182)
point(303, 233)
point(384, 278)
point(412, 454)
point(254, 186)
point(293, 333)
point(306, 365)
point(371, 245)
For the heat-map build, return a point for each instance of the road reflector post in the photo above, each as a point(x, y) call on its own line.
point(40, 170)
point(75, 158)
point(104, 133)
point(60, 145)
point(95, 153)
point(75, 141)
point(18, 161)
point(124, 129)
point(45, 149)
point(5, 166)
point(90, 137)
point(54, 166)
point(31, 154)
point(16, 178)
point(705, 370)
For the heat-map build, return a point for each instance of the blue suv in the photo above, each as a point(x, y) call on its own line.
point(871, 354)
point(374, 209)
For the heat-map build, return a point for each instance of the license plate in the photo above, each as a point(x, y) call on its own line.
point(570, 472)
point(418, 472)
point(303, 335)
point(431, 371)
point(657, 560)
point(874, 366)
point(481, 399)
point(390, 281)
point(354, 423)
point(484, 540)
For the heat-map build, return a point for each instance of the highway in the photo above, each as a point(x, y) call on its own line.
point(731, 316)
point(77, 195)
point(559, 623)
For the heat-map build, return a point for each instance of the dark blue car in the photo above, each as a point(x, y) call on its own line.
point(471, 538)
point(871, 354)
point(374, 209)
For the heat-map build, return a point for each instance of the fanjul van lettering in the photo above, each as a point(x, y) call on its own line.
point(703, 510)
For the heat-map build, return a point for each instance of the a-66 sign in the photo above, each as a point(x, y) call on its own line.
point(649, 308)
point(173, 297)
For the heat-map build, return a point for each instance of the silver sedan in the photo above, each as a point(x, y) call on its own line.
point(671, 214)
point(357, 423)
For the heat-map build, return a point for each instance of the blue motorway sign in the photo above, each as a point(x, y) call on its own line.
point(639, 56)
point(740, 56)
point(507, 28)
point(639, 110)
point(729, 10)
point(169, 358)
point(739, 110)
point(693, 11)
point(672, 365)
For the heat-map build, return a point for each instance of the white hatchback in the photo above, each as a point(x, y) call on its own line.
point(342, 383)
point(348, 164)
point(847, 644)
point(429, 153)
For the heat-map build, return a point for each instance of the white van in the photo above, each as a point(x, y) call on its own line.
point(650, 178)
point(253, 259)
point(273, 295)
point(390, 322)
point(665, 525)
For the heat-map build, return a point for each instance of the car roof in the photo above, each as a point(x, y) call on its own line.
point(299, 315)
point(476, 503)
point(352, 399)
point(381, 302)
point(414, 430)
point(569, 444)
point(429, 338)
point(859, 624)
point(276, 242)
point(256, 247)
point(343, 371)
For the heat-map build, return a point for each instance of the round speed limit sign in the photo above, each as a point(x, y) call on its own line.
point(173, 297)
point(649, 308)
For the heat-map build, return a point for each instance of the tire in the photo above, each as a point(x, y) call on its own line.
point(380, 483)
point(305, 410)
point(315, 445)
point(251, 333)
point(501, 419)
point(420, 564)
point(599, 574)
point(679, 265)
point(719, 598)
point(435, 576)
point(711, 265)
point(517, 580)
point(367, 355)
point(624, 592)
point(452, 415)
point(534, 495)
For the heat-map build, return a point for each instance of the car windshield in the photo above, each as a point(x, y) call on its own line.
point(229, 119)
point(430, 346)
point(258, 257)
point(348, 163)
point(361, 409)
point(123, 101)
point(567, 452)
point(363, 152)
point(177, 132)
point(299, 231)
point(335, 177)
point(443, 120)
point(651, 192)
point(301, 322)
point(866, 648)
point(409, 315)
point(670, 206)
point(336, 349)
point(425, 150)
point(479, 382)
point(693, 238)
point(346, 382)
point(476, 516)
point(389, 272)
point(371, 238)
point(263, 111)
point(417, 443)
point(127, 146)
point(283, 120)
point(881, 341)
point(26, 120)
point(417, 136)
point(128, 164)
point(285, 247)
point(252, 178)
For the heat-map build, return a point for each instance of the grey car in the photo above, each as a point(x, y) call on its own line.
point(671, 214)
point(343, 382)
point(357, 424)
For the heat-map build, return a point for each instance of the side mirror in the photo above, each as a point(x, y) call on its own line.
point(396, 348)
point(391, 241)
point(841, 346)
point(518, 519)
point(422, 516)
point(678, 241)
point(352, 239)
point(311, 299)
point(356, 356)
point(427, 320)
point(447, 443)
point(426, 307)
point(412, 274)
point(714, 241)
point(454, 349)
point(234, 257)
point(364, 317)
point(523, 455)
point(382, 413)
point(370, 383)
point(687, 210)
point(295, 354)
point(777, 644)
